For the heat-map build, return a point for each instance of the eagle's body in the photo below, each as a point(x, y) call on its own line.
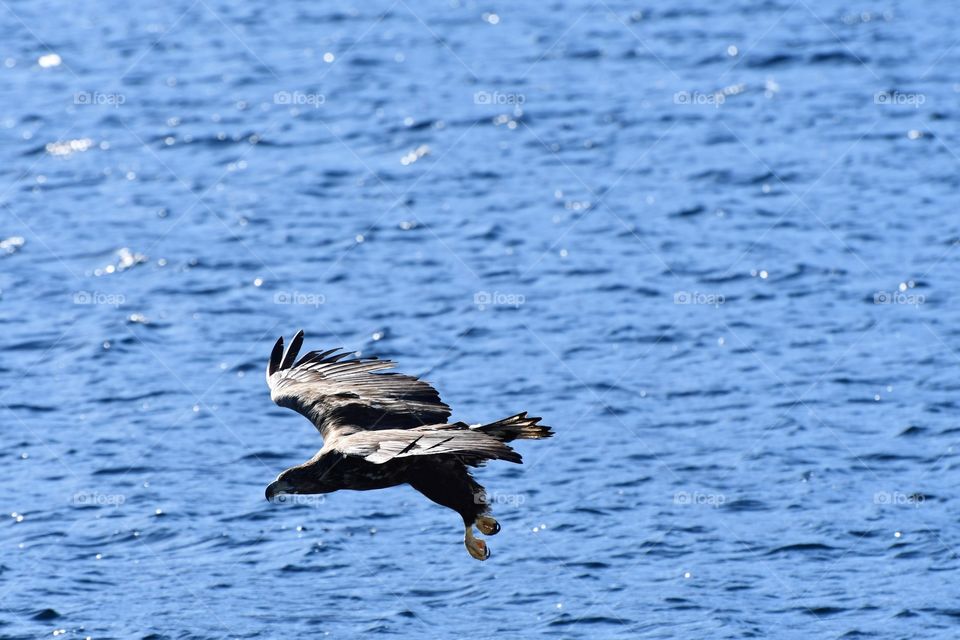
point(383, 430)
point(359, 475)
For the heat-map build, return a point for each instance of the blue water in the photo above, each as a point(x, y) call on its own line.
point(714, 245)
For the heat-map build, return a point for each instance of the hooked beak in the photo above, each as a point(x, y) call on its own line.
point(278, 488)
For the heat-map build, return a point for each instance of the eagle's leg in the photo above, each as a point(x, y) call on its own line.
point(449, 483)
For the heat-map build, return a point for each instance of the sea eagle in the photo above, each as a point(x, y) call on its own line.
point(386, 429)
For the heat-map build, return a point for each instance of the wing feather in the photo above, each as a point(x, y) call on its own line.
point(380, 447)
point(342, 395)
point(292, 350)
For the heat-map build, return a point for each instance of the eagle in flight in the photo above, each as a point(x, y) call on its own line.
point(386, 429)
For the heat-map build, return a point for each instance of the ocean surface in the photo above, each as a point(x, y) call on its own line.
point(714, 245)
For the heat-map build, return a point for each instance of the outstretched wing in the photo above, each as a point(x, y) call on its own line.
point(342, 395)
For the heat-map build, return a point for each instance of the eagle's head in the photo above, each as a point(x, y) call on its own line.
point(296, 480)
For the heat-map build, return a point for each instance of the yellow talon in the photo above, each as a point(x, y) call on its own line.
point(475, 547)
point(488, 526)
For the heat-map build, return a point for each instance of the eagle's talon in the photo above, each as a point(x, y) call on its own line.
point(488, 526)
point(475, 547)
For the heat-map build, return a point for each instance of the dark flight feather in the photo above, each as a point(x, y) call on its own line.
point(292, 350)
